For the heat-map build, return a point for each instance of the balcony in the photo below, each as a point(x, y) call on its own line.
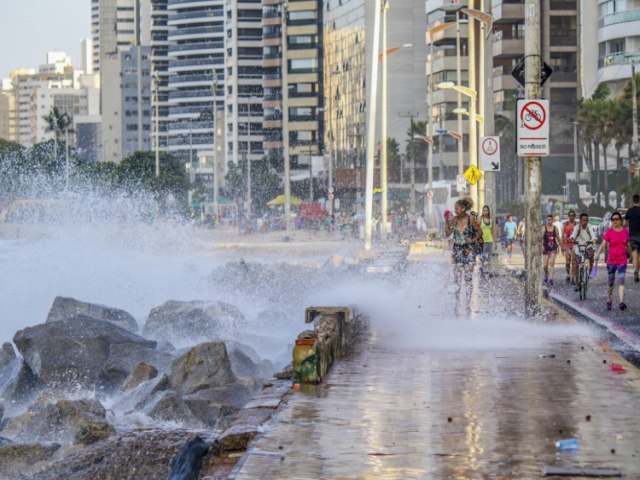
point(621, 58)
point(508, 12)
point(619, 17)
point(508, 47)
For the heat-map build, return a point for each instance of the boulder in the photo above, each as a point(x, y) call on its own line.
point(245, 361)
point(64, 307)
point(7, 355)
point(202, 367)
point(192, 321)
point(123, 360)
point(208, 410)
point(73, 352)
point(169, 407)
point(142, 373)
point(16, 459)
point(56, 422)
point(93, 432)
point(22, 385)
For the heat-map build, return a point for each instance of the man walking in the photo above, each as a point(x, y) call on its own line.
point(510, 234)
point(632, 219)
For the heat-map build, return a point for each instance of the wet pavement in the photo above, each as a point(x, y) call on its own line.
point(624, 325)
point(432, 407)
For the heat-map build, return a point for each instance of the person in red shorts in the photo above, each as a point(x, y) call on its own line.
point(617, 237)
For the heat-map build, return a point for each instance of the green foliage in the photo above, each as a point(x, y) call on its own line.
point(394, 162)
point(265, 183)
point(512, 207)
point(594, 210)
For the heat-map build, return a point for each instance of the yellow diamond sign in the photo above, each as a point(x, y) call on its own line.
point(472, 174)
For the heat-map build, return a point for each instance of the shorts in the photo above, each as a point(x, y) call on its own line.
point(553, 251)
point(611, 273)
point(634, 242)
point(510, 241)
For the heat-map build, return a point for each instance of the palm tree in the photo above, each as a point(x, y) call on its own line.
point(58, 123)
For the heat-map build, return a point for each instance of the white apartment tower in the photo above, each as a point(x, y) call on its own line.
point(196, 64)
point(244, 80)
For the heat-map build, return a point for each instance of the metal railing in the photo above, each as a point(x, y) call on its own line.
point(619, 17)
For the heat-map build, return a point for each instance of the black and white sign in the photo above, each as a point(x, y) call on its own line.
point(532, 122)
point(545, 72)
point(489, 154)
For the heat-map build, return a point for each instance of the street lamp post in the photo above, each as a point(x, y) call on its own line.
point(214, 143)
point(371, 127)
point(157, 122)
point(486, 22)
point(473, 151)
point(285, 121)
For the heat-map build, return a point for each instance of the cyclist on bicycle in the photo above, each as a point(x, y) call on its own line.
point(583, 237)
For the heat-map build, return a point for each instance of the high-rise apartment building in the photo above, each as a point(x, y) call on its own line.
point(348, 46)
point(618, 42)
point(113, 28)
point(7, 112)
point(296, 79)
point(196, 66)
point(560, 48)
point(244, 80)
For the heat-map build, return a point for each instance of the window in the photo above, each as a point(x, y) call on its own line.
point(303, 65)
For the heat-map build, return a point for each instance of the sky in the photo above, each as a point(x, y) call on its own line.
point(31, 28)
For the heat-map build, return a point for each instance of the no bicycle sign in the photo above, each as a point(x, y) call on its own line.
point(532, 123)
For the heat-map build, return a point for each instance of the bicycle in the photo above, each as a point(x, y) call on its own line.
point(584, 269)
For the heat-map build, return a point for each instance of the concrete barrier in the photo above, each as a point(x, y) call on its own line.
point(315, 351)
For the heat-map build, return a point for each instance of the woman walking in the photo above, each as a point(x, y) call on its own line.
point(617, 237)
point(466, 233)
point(488, 228)
point(550, 248)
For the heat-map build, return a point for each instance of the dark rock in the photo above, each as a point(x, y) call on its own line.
point(207, 410)
point(17, 459)
point(192, 321)
point(141, 454)
point(74, 351)
point(1, 412)
point(202, 367)
point(237, 437)
point(59, 422)
point(23, 385)
point(4, 441)
point(186, 465)
point(94, 432)
point(169, 407)
point(64, 308)
point(246, 361)
point(123, 360)
point(141, 373)
point(7, 355)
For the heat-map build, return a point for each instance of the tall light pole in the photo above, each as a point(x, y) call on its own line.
point(214, 142)
point(430, 34)
point(533, 261)
point(576, 166)
point(486, 22)
point(66, 157)
point(384, 186)
point(634, 104)
point(384, 169)
point(371, 126)
point(473, 151)
point(249, 156)
point(157, 123)
point(285, 121)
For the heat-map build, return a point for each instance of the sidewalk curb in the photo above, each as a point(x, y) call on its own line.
point(629, 343)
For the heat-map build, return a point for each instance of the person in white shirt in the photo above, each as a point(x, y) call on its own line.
point(558, 224)
point(582, 234)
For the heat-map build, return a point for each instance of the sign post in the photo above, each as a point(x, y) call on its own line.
point(533, 128)
point(490, 154)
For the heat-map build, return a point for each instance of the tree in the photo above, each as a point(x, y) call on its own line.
point(394, 163)
point(416, 148)
point(57, 122)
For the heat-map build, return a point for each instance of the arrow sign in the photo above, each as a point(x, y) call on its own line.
point(489, 154)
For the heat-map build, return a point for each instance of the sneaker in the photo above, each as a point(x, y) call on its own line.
point(545, 280)
point(551, 282)
point(636, 276)
point(568, 279)
point(609, 304)
point(623, 306)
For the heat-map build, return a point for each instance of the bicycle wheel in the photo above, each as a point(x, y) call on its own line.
point(584, 280)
